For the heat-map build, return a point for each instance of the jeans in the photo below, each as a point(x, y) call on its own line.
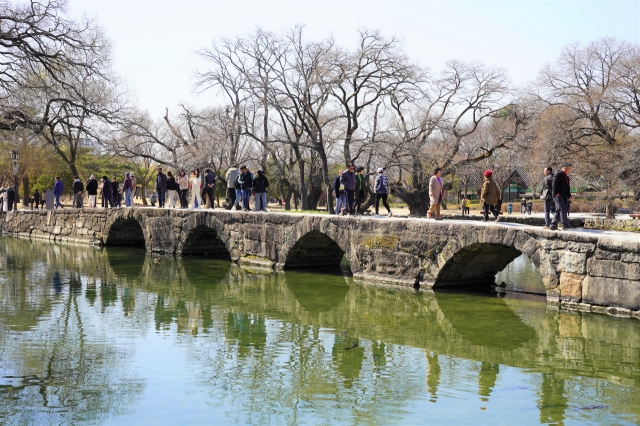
point(246, 194)
point(58, 203)
point(382, 197)
point(549, 207)
point(562, 210)
point(127, 197)
point(260, 201)
point(161, 198)
point(341, 201)
point(238, 197)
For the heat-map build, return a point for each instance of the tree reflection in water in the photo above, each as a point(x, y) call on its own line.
point(290, 347)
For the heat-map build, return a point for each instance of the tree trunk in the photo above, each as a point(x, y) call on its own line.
point(25, 189)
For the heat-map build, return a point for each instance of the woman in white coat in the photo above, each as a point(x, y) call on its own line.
point(196, 186)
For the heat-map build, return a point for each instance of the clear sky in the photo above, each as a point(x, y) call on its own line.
point(154, 41)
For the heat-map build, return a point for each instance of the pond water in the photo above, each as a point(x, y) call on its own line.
point(108, 336)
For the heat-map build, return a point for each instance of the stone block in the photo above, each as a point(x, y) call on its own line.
point(581, 247)
point(607, 255)
point(631, 257)
point(618, 312)
point(550, 281)
point(570, 286)
point(553, 244)
point(553, 296)
point(613, 269)
point(584, 307)
point(575, 263)
point(635, 314)
point(611, 292)
point(596, 309)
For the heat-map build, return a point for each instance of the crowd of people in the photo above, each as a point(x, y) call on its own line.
point(349, 191)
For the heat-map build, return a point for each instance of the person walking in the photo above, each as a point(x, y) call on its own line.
point(183, 188)
point(115, 192)
point(260, 185)
point(360, 193)
point(348, 180)
point(436, 193)
point(172, 189)
point(523, 206)
point(561, 189)
point(92, 191)
point(209, 186)
point(78, 187)
point(247, 184)
point(196, 186)
point(489, 197)
point(338, 192)
point(107, 189)
point(127, 187)
point(10, 198)
point(36, 199)
point(58, 186)
point(547, 196)
point(161, 187)
point(381, 186)
point(238, 187)
point(232, 176)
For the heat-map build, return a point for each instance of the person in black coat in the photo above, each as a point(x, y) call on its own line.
point(10, 198)
point(107, 189)
point(161, 186)
point(561, 195)
point(115, 192)
point(209, 185)
point(246, 183)
point(92, 190)
point(260, 185)
point(36, 199)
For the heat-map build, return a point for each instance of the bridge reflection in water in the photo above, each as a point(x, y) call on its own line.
point(294, 338)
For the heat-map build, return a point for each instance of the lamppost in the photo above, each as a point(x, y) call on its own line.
point(15, 157)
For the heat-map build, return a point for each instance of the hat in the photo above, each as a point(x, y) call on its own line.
point(380, 170)
point(488, 173)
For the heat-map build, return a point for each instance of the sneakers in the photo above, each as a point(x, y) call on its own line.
point(553, 228)
point(389, 214)
point(545, 227)
point(498, 219)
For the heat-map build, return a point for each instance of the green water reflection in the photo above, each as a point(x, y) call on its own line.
point(97, 336)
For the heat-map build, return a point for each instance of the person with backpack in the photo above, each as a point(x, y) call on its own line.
point(381, 186)
point(260, 185)
point(92, 190)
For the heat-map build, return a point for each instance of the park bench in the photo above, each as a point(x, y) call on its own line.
point(635, 216)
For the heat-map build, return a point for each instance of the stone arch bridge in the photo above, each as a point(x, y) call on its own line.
point(584, 270)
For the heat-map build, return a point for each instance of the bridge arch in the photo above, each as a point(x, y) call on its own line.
point(478, 262)
point(125, 231)
point(314, 249)
point(204, 234)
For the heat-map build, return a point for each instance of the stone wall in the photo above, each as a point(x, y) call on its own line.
point(580, 270)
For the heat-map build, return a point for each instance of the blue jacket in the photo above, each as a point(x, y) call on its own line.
point(348, 179)
point(381, 184)
point(57, 188)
